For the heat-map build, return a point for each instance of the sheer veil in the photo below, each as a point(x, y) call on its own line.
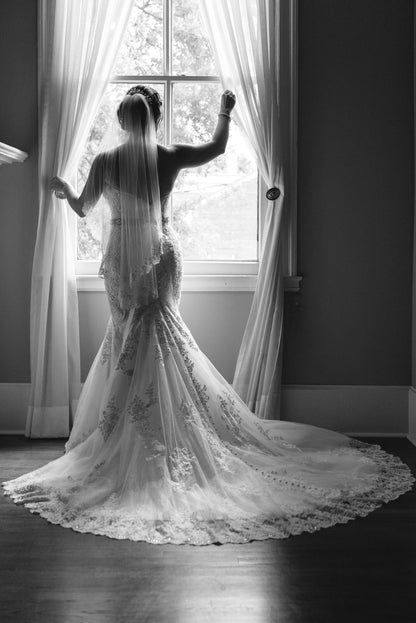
point(131, 237)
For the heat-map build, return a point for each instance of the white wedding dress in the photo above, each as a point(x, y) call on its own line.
point(163, 450)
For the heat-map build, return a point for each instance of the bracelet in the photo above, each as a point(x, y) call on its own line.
point(224, 114)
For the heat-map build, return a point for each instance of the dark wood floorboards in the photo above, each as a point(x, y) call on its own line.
point(360, 572)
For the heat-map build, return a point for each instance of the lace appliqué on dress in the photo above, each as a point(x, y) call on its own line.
point(182, 463)
point(109, 418)
point(140, 412)
point(393, 479)
point(107, 347)
point(229, 414)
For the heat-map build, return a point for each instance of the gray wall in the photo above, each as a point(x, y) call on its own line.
point(351, 324)
point(355, 194)
point(18, 183)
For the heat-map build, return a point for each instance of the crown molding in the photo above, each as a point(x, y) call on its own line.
point(9, 155)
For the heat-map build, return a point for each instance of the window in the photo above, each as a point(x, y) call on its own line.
point(216, 209)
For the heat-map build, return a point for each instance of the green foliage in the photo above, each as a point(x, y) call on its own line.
point(191, 51)
point(141, 52)
point(89, 248)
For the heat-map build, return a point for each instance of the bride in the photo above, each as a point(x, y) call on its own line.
point(162, 448)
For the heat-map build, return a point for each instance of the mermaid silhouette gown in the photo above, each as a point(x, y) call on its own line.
point(163, 450)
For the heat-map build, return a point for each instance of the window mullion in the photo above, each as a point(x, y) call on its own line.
point(167, 70)
point(168, 124)
point(167, 36)
point(168, 109)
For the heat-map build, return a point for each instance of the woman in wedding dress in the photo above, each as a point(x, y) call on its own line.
point(162, 449)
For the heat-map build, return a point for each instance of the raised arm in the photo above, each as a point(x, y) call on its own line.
point(92, 189)
point(196, 155)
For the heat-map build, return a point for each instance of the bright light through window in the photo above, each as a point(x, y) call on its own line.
point(214, 207)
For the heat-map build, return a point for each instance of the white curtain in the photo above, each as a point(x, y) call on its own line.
point(78, 41)
point(245, 36)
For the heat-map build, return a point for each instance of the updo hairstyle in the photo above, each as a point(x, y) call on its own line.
point(132, 112)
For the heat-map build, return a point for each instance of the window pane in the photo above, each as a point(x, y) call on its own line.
point(191, 51)
point(141, 52)
point(214, 206)
point(88, 246)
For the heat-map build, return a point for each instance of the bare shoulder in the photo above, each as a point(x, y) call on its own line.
point(168, 157)
point(166, 151)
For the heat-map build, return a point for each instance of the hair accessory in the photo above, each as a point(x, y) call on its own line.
point(153, 98)
point(224, 114)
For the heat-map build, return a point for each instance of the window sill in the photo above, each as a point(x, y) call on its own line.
point(199, 283)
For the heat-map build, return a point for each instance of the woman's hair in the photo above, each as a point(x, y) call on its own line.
point(131, 108)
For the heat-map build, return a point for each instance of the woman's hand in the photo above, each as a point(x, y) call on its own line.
point(227, 102)
point(64, 190)
point(59, 187)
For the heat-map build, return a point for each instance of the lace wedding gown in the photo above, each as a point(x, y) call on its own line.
point(163, 450)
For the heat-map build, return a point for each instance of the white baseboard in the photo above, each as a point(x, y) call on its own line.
point(365, 410)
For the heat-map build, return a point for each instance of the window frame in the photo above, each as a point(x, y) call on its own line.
point(215, 275)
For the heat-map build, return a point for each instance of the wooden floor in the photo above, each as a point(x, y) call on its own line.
point(363, 571)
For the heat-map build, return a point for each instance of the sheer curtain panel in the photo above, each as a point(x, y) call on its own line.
point(245, 36)
point(77, 43)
